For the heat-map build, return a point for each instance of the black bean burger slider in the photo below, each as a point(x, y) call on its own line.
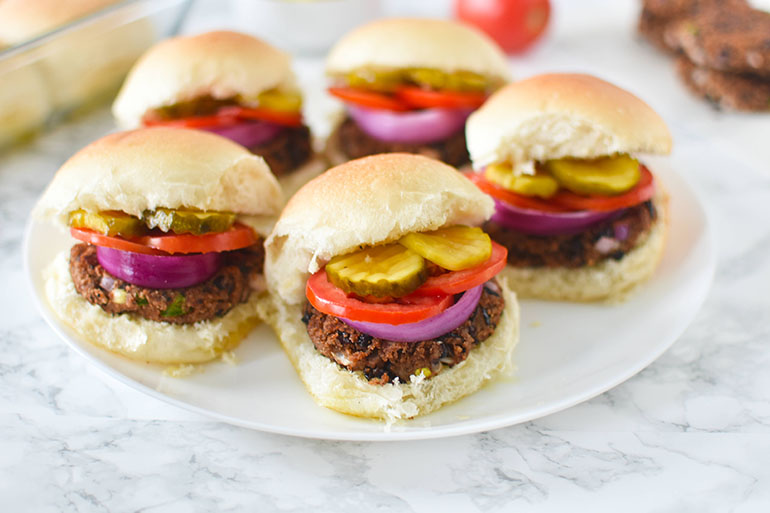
point(383, 291)
point(167, 258)
point(228, 83)
point(582, 216)
point(408, 85)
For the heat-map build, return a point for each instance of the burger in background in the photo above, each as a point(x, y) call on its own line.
point(408, 85)
point(228, 83)
point(168, 260)
point(582, 218)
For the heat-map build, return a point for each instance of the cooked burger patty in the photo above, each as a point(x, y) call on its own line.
point(729, 90)
point(355, 143)
point(287, 151)
point(382, 361)
point(212, 298)
point(612, 238)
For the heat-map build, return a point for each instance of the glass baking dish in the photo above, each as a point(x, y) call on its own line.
point(79, 65)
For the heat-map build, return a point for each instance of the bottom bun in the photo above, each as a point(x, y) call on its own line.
point(291, 182)
point(350, 392)
point(610, 280)
point(143, 339)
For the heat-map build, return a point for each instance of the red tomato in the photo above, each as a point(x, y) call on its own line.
point(230, 116)
point(329, 299)
point(517, 200)
point(514, 24)
point(459, 281)
point(279, 117)
point(237, 237)
point(643, 191)
point(369, 99)
point(426, 98)
point(566, 201)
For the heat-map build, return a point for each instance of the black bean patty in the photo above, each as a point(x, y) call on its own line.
point(287, 151)
point(382, 361)
point(356, 143)
point(212, 298)
point(726, 90)
point(577, 250)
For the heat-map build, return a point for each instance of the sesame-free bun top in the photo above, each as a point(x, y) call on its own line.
point(367, 201)
point(220, 64)
point(396, 43)
point(563, 115)
point(21, 20)
point(162, 167)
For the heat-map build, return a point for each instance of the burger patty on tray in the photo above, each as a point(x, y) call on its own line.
point(212, 298)
point(612, 238)
point(356, 143)
point(382, 361)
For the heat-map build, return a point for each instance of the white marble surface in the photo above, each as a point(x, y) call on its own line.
point(691, 433)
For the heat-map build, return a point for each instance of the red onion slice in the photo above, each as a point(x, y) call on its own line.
point(248, 133)
point(419, 126)
point(427, 329)
point(537, 222)
point(158, 272)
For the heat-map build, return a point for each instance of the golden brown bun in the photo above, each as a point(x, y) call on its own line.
point(418, 43)
point(141, 339)
point(350, 392)
point(610, 280)
point(562, 115)
point(365, 201)
point(221, 64)
point(162, 167)
point(21, 20)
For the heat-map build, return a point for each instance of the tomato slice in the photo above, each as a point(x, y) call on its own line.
point(459, 281)
point(643, 191)
point(566, 201)
point(98, 239)
point(230, 116)
point(192, 122)
point(279, 117)
point(329, 299)
point(427, 98)
point(369, 99)
point(237, 237)
point(517, 200)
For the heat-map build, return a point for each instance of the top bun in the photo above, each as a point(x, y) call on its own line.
point(365, 202)
point(219, 64)
point(21, 20)
point(418, 43)
point(162, 167)
point(562, 115)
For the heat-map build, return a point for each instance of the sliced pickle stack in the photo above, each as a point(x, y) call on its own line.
point(274, 99)
point(389, 270)
point(540, 184)
point(108, 222)
point(399, 269)
point(605, 176)
point(388, 80)
point(184, 221)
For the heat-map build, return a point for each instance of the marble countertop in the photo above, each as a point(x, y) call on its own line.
point(689, 433)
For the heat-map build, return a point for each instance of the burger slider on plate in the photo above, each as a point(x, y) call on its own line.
point(408, 86)
point(228, 83)
point(583, 219)
point(383, 290)
point(168, 254)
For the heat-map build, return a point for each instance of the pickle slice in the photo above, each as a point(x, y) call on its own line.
point(280, 100)
point(607, 175)
point(390, 270)
point(187, 221)
point(454, 248)
point(540, 184)
point(388, 80)
point(108, 222)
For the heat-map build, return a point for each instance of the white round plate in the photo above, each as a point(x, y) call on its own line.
point(567, 353)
